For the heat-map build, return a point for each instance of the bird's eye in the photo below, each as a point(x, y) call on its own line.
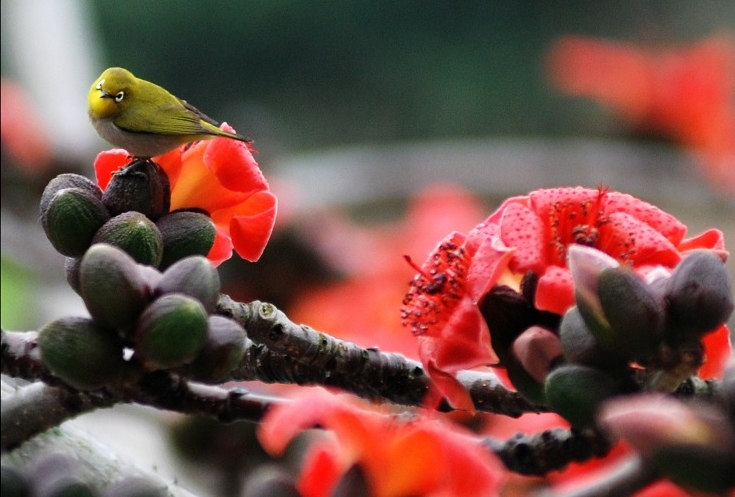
point(119, 96)
point(99, 85)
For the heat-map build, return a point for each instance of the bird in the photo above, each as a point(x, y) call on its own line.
point(144, 118)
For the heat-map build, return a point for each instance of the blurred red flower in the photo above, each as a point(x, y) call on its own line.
point(220, 177)
point(532, 233)
point(22, 132)
point(421, 457)
point(686, 94)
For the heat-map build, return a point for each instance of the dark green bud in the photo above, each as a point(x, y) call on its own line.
point(699, 467)
point(135, 234)
point(185, 233)
point(81, 353)
point(194, 276)
point(71, 219)
point(71, 267)
point(221, 353)
point(141, 186)
point(634, 313)
point(575, 392)
point(170, 332)
point(524, 382)
point(13, 483)
point(68, 180)
point(699, 294)
point(579, 345)
point(111, 287)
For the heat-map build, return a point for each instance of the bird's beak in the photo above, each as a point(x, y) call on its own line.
point(104, 94)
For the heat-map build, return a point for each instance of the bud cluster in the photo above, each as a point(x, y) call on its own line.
point(132, 214)
point(165, 319)
point(625, 334)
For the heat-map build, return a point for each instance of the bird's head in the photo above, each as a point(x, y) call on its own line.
point(111, 93)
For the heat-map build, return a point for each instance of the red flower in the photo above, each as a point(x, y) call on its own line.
point(423, 457)
point(221, 177)
point(685, 94)
point(532, 233)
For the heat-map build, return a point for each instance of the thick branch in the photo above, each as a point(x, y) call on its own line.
point(292, 353)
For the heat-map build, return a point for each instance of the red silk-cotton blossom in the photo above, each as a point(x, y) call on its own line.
point(222, 178)
point(421, 457)
point(530, 235)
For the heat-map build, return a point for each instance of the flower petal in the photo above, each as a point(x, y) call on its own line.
point(660, 221)
point(555, 290)
point(251, 230)
point(522, 229)
point(223, 154)
point(717, 351)
point(629, 239)
point(107, 163)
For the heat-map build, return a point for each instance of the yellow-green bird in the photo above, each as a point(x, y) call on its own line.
point(145, 119)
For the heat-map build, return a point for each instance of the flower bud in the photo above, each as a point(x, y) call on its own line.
point(170, 332)
point(538, 350)
point(81, 353)
point(194, 276)
point(699, 294)
point(693, 445)
point(136, 235)
point(71, 267)
point(580, 346)
point(111, 287)
point(526, 385)
point(71, 219)
point(221, 353)
point(68, 180)
point(635, 315)
point(185, 233)
point(575, 392)
point(141, 186)
point(13, 483)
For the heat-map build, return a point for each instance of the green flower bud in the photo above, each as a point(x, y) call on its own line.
point(136, 235)
point(575, 392)
point(71, 219)
point(538, 350)
point(524, 382)
point(81, 353)
point(194, 276)
point(699, 294)
point(185, 233)
point(71, 266)
point(170, 332)
point(141, 186)
point(68, 180)
point(13, 483)
point(221, 353)
point(111, 287)
point(579, 345)
point(635, 315)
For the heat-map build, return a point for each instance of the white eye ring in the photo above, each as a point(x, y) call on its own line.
point(120, 95)
point(99, 85)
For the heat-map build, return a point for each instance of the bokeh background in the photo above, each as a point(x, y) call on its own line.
point(354, 107)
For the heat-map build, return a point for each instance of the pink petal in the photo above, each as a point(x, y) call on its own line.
point(523, 230)
point(660, 221)
point(628, 238)
point(234, 165)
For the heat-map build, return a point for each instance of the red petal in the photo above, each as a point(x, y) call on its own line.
point(555, 291)
point(660, 221)
point(221, 249)
point(717, 350)
point(107, 163)
point(449, 387)
point(465, 340)
point(234, 165)
point(320, 469)
point(489, 262)
point(250, 233)
point(710, 239)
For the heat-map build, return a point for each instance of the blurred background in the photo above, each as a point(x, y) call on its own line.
point(358, 107)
